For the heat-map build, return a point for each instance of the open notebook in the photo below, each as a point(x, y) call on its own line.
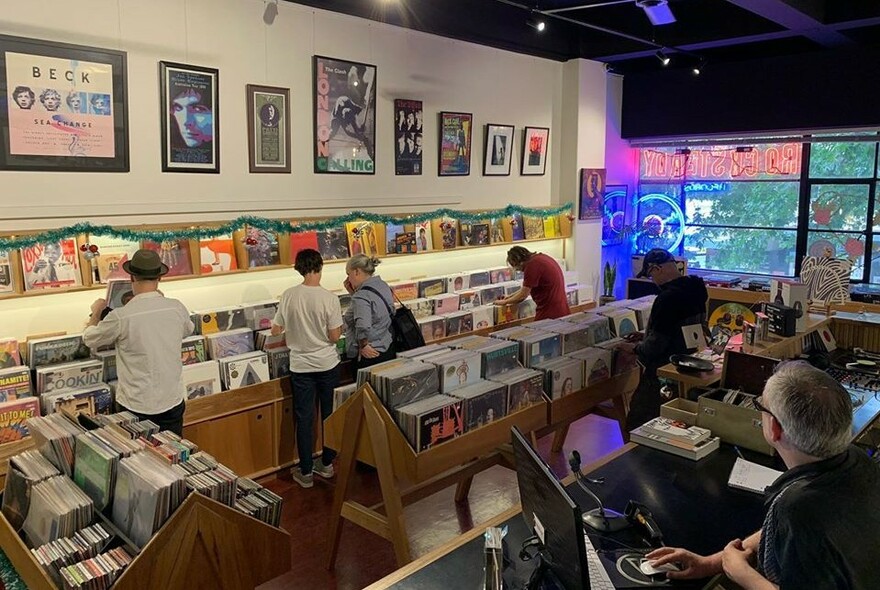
point(751, 477)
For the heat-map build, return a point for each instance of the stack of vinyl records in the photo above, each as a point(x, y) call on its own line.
point(456, 368)
point(57, 509)
point(623, 359)
point(221, 319)
point(672, 436)
point(538, 347)
point(147, 492)
point(513, 333)
point(499, 356)
point(84, 544)
point(643, 308)
point(598, 326)
point(258, 502)
point(139, 429)
point(482, 403)
point(265, 341)
point(55, 437)
point(69, 376)
point(98, 572)
point(117, 418)
point(97, 399)
point(56, 349)
point(25, 469)
point(421, 307)
point(95, 468)
point(15, 382)
point(401, 381)
point(342, 393)
point(524, 388)
point(279, 362)
point(433, 327)
point(259, 315)
point(218, 483)
point(170, 447)
point(416, 353)
point(562, 376)
point(108, 363)
point(573, 336)
point(598, 364)
point(245, 369)
point(431, 421)
point(201, 379)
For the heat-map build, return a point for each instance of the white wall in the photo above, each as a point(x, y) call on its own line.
point(496, 86)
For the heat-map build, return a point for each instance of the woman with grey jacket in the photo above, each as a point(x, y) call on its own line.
point(368, 318)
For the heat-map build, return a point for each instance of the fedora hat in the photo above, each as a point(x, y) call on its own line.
point(145, 264)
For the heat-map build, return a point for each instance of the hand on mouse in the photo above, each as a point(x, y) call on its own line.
point(693, 566)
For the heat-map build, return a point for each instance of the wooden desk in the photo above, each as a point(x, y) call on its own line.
point(690, 501)
point(689, 380)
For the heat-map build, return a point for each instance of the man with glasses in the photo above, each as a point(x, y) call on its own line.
point(681, 302)
point(822, 527)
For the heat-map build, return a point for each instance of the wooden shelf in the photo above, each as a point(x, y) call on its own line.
point(205, 544)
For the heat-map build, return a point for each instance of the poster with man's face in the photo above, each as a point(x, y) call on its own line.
point(190, 122)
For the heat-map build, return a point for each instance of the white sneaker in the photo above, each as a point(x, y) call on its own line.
point(302, 479)
point(325, 471)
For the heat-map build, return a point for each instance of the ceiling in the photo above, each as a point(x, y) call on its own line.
point(618, 32)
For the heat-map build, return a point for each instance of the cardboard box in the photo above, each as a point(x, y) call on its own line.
point(792, 294)
point(735, 425)
point(683, 410)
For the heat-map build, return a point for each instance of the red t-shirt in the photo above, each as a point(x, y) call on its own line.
point(544, 277)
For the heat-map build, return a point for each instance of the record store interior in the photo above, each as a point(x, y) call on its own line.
point(467, 294)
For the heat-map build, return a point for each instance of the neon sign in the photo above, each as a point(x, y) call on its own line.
point(706, 187)
point(781, 160)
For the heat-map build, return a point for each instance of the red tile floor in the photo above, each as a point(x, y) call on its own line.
point(365, 558)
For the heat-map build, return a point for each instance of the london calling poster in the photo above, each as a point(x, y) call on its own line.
point(345, 116)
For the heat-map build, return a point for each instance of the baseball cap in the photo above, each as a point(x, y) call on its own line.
point(656, 256)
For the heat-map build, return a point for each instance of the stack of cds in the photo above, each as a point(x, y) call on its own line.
point(84, 544)
point(98, 572)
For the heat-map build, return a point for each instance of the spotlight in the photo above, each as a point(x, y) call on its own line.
point(664, 59)
point(698, 69)
point(537, 23)
point(270, 12)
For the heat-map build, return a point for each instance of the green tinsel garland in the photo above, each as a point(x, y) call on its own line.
point(8, 575)
point(272, 225)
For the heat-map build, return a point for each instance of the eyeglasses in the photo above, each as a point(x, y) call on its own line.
point(762, 408)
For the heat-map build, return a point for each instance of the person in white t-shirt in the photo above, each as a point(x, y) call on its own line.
point(310, 318)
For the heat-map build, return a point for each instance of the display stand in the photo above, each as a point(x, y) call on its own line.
point(363, 430)
point(574, 406)
point(205, 544)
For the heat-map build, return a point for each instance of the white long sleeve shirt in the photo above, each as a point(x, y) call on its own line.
point(147, 333)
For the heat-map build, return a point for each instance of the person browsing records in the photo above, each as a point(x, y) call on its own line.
point(368, 319)
point(310, 318)
point(681, 302)
point(822, 526)
point(542, 279)
point(147, 333)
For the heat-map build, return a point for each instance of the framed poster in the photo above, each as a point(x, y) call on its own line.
point(268, 128)
point(408, 119)
point(498, 150)
point(455, 144)
point(64, 107)
point(190, 113)
point(592, 193)
point(536, 141)
point(345, 116)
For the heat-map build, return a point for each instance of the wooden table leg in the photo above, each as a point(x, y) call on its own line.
point(559, 438)
point(463, 488)
point(346, 464)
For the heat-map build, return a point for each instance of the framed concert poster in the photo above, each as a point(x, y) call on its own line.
point(268, 128)
point(64, 107)
point(455, 144)
point(190, 116)
point(498, 150)
point(345, 116)
point(536, 141)
point(408, 127)
point(592, 194)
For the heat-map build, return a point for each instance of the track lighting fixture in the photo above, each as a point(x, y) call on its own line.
point(664, 59)
point(698, 69)
point(537, 23)
point(270, 12)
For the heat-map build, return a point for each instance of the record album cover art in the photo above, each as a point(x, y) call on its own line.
point(333, 244)
point(262, 247)
point(217, 254)
point(175, 254)
point(51, 265)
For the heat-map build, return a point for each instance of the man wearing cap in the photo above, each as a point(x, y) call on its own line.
point(147, 333)
point(681, 302)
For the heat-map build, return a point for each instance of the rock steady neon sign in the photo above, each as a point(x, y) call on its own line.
point(782, 160)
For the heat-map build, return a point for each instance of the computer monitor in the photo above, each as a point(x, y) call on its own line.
point(552, 514)
point(746, 372)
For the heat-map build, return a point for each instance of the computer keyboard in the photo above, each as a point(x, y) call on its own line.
point(599, 578)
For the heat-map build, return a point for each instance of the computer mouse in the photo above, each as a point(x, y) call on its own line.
point(649, 570)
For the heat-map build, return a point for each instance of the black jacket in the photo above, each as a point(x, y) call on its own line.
point(681, 302)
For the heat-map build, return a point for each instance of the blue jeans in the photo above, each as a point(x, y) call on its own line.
point(307, 387)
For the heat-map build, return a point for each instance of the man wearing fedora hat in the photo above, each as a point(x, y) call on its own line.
point(147, 333)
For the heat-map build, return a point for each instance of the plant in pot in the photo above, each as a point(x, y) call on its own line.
point(609, 277)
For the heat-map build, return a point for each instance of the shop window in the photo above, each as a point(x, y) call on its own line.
point(842, 160)
point(733, 249)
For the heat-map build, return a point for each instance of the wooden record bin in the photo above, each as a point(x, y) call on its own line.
point(205, 544)
point(362, 429)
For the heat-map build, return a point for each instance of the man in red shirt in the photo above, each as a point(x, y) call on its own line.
point(543, 280)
